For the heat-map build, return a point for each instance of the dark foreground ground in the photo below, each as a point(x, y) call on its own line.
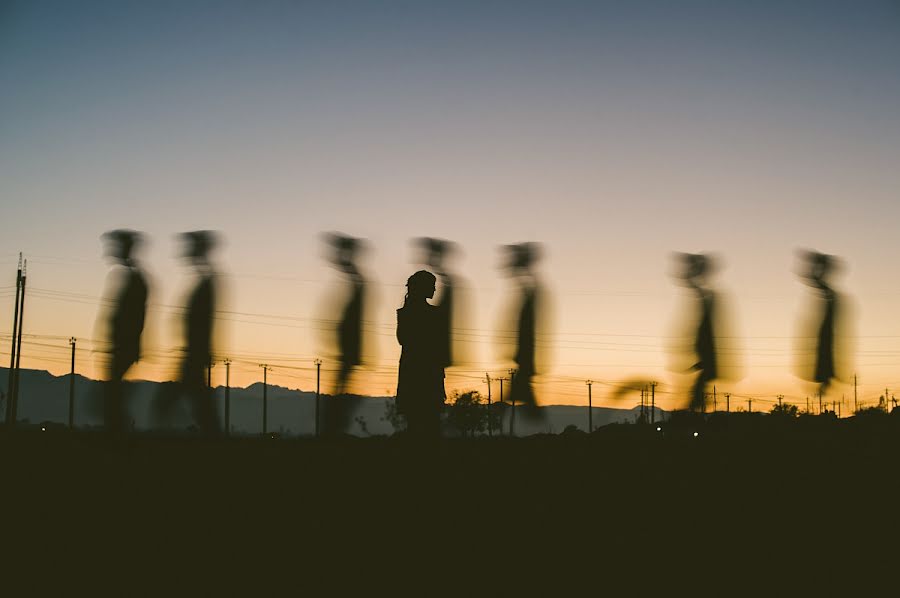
point(746, 494)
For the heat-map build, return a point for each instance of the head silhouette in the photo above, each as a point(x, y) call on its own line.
point(420, 286)
point(694, 269)
point(817, 268)
point(521, 257)
point(198, 244)
point(435, 252)
point(120, 244)
point(345, 251)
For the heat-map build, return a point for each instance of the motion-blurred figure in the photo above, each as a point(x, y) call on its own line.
point(694, 272)
point(127, 294)
point(435, 254)
point(421, 333)
point(198, 336)
point(824, 325)
point(343, 254)
point(520, 266)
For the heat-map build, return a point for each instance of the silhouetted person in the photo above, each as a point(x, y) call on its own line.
point(198, 335)
point(694, 272)
point(420, 385)
point(344, 253)
point(816, 272)
point(125, 324)
point(522, 258)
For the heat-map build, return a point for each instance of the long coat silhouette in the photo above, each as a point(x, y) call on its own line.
point(818, 270)
point(198, 332)
point(127, 320)
point(349, 330)
point(825, 361)
point(125, 324)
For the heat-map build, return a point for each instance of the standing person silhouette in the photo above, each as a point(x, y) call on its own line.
point(344, 253)
point(127, 286)
point(198, 335)
point(420, 385)
point(694, 273)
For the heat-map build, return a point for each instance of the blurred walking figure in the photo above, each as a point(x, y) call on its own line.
point(520, 266)
point(198, 336)
point(694, 272)
point(127, 296)
point(344, 254)
point(435, 254)
point(823, 327)
point(420, 331)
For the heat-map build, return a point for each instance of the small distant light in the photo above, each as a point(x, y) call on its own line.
point(696, 434)
point(658, 429)
point(43, 429)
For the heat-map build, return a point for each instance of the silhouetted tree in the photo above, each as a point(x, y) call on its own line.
point(572, 430)
point(785, 410)
point(869, 412)
point(468, 413)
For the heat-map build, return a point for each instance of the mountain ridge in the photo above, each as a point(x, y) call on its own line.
point(44, 397)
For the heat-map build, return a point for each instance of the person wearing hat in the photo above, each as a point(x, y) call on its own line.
point(435, 254)
point(817, 270)
point(694, 272)
point(344, 253)
point(520, 265)
point(125, 323)
point(198, 335)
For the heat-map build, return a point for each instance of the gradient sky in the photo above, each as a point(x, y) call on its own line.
point(614, 133)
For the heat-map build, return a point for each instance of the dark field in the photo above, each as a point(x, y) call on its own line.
point(746, 491)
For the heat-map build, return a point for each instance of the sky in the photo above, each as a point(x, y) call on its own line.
point(614, 133)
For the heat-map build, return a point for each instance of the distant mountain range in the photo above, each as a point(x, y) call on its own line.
point(44, 397)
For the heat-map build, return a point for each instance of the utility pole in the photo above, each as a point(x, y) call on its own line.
point(318, 363)
point(512, 396)
point(807, 404)
point(727, 402)
point(590, 408)
point(227, 363)
point(72, 388)
point(487, 380)
point(265, 369)
point(749, 405)
point(855, 396)
point(14, 399)
point(209, 374)
point(653, 402)
point(715, 399)
point(12, 351)
point(643, 393)
point(780, 399)
point(501, 379)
